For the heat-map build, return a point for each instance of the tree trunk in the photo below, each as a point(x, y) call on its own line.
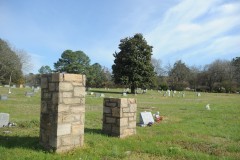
point(132, 89)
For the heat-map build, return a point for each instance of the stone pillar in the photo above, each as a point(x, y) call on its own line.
point(119, 116)
point(62, 111)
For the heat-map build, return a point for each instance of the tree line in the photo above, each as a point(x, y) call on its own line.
point(133, 67)
point(218, 76)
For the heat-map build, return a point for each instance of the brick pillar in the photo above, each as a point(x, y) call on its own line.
point(62, 111)
point(119, 116)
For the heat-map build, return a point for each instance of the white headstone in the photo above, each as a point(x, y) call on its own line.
point(146, 117)
point(208, 107)
point(4, 119)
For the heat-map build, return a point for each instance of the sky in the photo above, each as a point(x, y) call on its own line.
point(197, 32)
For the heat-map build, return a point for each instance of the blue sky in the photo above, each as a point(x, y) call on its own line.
point(194, 31)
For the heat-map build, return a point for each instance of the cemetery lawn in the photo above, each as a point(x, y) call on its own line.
point(187, 131)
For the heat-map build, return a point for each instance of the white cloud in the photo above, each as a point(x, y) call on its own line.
point(190, 25)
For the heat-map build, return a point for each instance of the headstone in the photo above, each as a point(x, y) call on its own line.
point(3, 97)
point(198, 94)
point(98, 94)
point(183, 95)
point(27, 86)
point(207, 107)
point(169, 94)
point(7, 86)
point(102, 95)
point(14, 86)
point(29, 94)
point(146, 117)
point(20, 86)
point(4, 119)
point(124, 94)
point(35, 90)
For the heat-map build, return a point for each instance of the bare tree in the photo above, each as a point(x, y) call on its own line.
point(158, 69)
point(25, 60)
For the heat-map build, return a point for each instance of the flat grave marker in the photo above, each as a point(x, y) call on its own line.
point(29, 94)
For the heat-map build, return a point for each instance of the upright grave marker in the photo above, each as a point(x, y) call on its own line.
point(4, 119)
point(3, 97)
point(62, 111)
point(146, 118)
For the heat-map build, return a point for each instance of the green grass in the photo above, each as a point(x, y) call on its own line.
point(188, 130)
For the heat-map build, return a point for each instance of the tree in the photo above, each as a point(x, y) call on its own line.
point(73, 62)
point(220, 76)
point(158, 69)
point(179, 75)
point(193, 79)
point(45, 70)
point(96, 76)
point(132, 65)
point(25, 60)
point(10, 64)
point(236, 64)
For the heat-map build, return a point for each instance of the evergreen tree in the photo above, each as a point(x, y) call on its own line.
point(132, 65)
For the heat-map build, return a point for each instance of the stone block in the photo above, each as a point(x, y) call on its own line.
point(55, 77)
point(77, 109)
point(111, 104)
point(132, 101)
point(73, 78)
point(71, 100)
point(47, 95)
point(107, 110)
point(128, 114)
point(79, 91)
point(132, 124)
point(44, 82)
point(52, 86)
point(124, 102)
point(65, 86)
point(67, 118)
point(77, 129)
point(63, 108)
point(124, 110)
point(67, 94)
point(55, 98)
point(116, 112)
point(123, 122)
point(110, 120)
point(116, 130)
point(71, 141)
point(133, 107)
point(63, 129)
point(107, 128)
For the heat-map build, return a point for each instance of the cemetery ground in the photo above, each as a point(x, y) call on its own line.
point(187, 131)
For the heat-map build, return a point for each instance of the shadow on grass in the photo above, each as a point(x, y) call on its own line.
point(93, 131)
point(25, 142)
point(110, 92)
